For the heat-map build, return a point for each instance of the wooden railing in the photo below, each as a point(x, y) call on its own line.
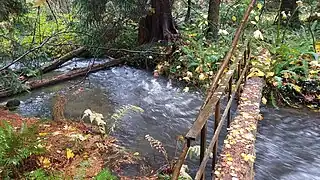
point(211, 105)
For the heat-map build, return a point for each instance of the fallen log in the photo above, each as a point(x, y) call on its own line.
point(237, 157)
point(35, 84)
point(58, 62)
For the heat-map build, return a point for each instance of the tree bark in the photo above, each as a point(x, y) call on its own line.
point(187, 19)
point(213, 19)
point(35, 84)
point(158, 24)
point(58, 62)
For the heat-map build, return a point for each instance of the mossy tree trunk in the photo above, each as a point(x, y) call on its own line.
point(158, 24)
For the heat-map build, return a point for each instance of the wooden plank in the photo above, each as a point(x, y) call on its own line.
point(207, 110)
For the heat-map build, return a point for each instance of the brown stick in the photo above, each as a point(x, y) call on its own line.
point(66, 76)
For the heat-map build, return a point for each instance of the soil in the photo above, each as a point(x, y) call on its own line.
point(74, 149)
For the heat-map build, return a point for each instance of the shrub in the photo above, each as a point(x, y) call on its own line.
point(16, 146)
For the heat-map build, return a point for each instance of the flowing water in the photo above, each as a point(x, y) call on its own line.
point(288, 142)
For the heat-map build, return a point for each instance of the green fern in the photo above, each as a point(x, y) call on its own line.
point(16, 146)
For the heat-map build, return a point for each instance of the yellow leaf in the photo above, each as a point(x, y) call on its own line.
point(318, 47)
point(198, 69)
point(297, 88)
point(264, 100)
point(43, 134)
point(45, 162)
point(256, 73)
point(270, 74)
point(244, 99)
point(259, 6)
point(70, 154)
point(229, 159)
point(234, 18)
point(313, 72)
point(192, 35)
point(248, 157)
point(136, 154)
point(202, 77)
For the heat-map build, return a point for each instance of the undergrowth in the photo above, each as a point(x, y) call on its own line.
point(17, 145)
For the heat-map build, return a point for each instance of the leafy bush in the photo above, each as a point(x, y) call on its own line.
point(16, 146)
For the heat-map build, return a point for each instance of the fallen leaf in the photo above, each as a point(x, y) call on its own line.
point(45, 162)
point(264, 100)
point(43, 134)
point(70, 154)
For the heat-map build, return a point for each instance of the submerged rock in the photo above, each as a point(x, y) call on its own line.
point(13, 104)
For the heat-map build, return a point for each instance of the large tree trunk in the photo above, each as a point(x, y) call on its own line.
point(158, 25)
point(289, 7)
point(213, 18)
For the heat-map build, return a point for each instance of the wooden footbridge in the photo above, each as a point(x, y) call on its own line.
point(233, 69)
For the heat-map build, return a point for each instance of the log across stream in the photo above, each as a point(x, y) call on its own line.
point(287, 144)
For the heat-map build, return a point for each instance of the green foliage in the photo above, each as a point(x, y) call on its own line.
point(16, 146)
point(105, 174)
point(12, 7)
point(197, 58)
point(108, 23)
point(41, 174)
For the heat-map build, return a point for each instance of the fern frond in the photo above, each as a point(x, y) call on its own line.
point(156, 144)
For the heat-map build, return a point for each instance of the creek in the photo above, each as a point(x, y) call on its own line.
point(288, 140)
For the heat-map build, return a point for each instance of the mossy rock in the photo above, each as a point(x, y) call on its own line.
point(13, 104)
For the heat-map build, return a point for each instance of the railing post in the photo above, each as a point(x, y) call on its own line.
point(229, 96)
point(239, 71)
point(177, 167)
point(217, 117)
point(203, 144)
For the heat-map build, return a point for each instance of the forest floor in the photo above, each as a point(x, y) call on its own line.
point(73, 150)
